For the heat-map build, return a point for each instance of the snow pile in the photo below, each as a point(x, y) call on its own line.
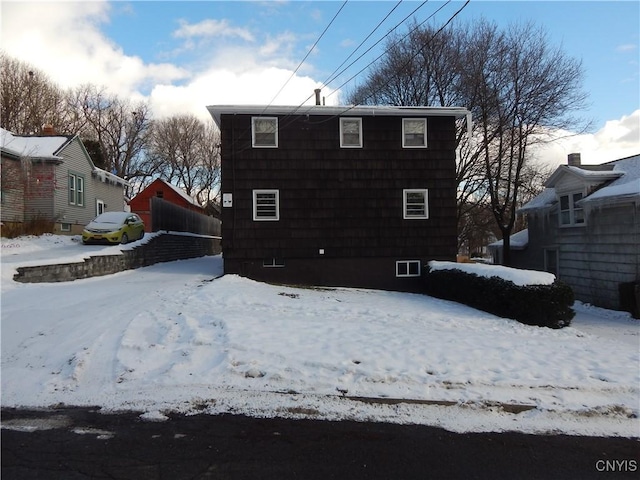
point(178, 337)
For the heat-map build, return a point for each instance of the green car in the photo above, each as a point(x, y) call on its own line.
point(114, 227)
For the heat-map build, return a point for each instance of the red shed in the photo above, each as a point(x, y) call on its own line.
point(141, 203)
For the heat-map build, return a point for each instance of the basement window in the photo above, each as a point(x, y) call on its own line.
point(408, 268)
point(266, 205)
point(273, 262)
point(264, 132)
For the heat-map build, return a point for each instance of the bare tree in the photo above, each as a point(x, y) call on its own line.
point(517, 86)
point(521, 88)
point(185, 151)
point(29, 99)
point(117, 128)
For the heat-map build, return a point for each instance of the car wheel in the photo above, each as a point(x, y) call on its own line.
point(124, 239)
point(141, 235)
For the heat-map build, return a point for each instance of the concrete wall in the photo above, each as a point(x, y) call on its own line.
point(162, 248)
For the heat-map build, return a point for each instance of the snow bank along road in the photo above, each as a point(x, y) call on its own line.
point(169, 338)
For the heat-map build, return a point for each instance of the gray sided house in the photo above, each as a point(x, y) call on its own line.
point(52, 178)
point(585, 228)
point(342, 196)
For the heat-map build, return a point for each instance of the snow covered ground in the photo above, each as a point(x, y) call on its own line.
point(175, 337)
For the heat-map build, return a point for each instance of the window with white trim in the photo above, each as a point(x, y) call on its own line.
point(266, 205)
point(408, 268)
point(264, 132)
point(414, 132)
point(350, 132)
point(415, 203)
point(570, 212)
point(76, 190)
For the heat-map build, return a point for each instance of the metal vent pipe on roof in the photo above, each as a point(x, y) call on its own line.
point(317, 91)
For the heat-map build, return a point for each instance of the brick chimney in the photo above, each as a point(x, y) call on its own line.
point(48, 130)
point(573, 160)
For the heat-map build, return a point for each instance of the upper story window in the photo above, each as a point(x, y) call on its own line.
point(351, 132)
point(570, 212)
point(415, 203)
point(76, 190)
point(414, 132)
point(266, 205)
point(264, 132)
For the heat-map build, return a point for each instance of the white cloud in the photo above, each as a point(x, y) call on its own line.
point(211, 28)
point(78, 55)
point(617, 139)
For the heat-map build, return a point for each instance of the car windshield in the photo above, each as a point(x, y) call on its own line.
point(112, 217)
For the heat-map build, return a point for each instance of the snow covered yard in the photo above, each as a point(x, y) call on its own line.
point(172, 338)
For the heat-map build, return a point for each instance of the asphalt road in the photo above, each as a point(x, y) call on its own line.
point(84, 444)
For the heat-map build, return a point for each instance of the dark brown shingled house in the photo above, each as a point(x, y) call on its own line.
point(337, 196)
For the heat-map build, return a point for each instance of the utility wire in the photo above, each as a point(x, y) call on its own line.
point(307, 55)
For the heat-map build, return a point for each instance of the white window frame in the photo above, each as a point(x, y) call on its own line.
point(270, 218)
point(255, 143)
point(405, 133)
point(574, 214)
point(76, 190)
point(406, 205)
point(344, 144)
point(65, 227)
point(406, 268)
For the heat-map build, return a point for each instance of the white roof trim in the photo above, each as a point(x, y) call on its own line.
point(354, 111)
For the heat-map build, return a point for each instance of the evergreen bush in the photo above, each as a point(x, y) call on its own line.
point(541, 305)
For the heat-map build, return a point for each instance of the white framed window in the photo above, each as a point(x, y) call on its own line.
point(414, 132)
point(570, 212)
point(266, 205)
point(264, 132)
point(273, 263)
point(65, 227)
point(351, 132)
point(415, 203)
point(408, 268)
point(76, 190)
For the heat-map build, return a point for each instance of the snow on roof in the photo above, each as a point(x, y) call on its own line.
point(626, 186)
point(180, 192)
point(546, 199)
point(623, 175)
point(517, 241)
point(33, 146)
point(515, 275)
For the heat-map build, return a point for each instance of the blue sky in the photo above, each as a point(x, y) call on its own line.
point(182, 56)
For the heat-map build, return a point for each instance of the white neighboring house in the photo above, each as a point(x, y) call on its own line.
point(51, 178)
point(585, 228)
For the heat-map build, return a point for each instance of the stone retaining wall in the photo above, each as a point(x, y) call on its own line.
point(165, 247)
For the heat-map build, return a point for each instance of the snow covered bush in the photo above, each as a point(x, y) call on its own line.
point(544, 305)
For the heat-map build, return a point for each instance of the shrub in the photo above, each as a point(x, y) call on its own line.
point(541, 305)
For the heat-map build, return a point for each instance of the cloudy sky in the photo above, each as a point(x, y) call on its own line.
point(183, 56)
